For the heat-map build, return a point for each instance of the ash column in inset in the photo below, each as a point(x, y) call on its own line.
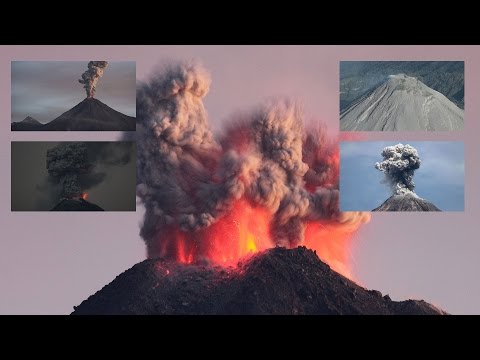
point(92, 75)
point(65, 163)
point(399, 165)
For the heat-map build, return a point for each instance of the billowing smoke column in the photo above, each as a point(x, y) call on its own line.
point(65, 163)
point(92, 75)
point(265, 168)
point(399, 165)
point(75, 166)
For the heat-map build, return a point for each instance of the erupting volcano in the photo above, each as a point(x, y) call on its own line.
point(225, 215)
point(89, 115)
point(265, 182)
point(66, 163)
point(399, 165)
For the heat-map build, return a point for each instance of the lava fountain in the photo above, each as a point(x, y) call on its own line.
point(265, 181)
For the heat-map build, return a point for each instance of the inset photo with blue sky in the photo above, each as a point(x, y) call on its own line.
point(402, 176)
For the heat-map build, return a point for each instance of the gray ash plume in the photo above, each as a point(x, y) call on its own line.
point(65, 163)
point(76, 167)
point(189, 180)
point(399, 165)
point(92, 75)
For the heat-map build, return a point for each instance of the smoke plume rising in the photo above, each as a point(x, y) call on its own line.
point(399, 165)
point(92, 75)
point(265, 179)
point(77, 167)
point(65, 163)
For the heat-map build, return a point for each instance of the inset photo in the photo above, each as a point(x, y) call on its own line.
point(73, 96)
point(401, 95)
point(402, 176)
point(73, 176)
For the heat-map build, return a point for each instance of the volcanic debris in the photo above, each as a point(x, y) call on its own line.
point(278, 281)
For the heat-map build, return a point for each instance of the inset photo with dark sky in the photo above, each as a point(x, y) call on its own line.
point(402, 176)
point(73, 95)
point(73, 176)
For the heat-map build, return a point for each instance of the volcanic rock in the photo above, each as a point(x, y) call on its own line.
point(407, 202)
point(91, 115)
point(276, 281)
point(401, 103)
point(76, 205)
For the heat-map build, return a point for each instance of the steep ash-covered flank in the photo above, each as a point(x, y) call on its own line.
point(91, 115)
point(359, 77)
point(277, 281)
point(406, 202)
point(401, 103)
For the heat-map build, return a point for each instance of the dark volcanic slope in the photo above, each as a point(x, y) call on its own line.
point(91, 115)
point(407, 202)
point(27, 124)
point(76, 205)
point(277, 281)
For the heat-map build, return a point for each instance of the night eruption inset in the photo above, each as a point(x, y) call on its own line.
point(65, 163)
point(75, 168)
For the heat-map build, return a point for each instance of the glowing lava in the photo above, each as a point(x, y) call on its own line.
point(84, 196)
point(266, 180)
point(245, 231)
point(332, 244)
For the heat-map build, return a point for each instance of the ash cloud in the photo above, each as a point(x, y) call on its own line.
point(399, 165)
point(76, 167)
point(91, 76)
point(65, 163)
point(187, 178)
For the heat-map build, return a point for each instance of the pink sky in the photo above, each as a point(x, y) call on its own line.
point(51, 262)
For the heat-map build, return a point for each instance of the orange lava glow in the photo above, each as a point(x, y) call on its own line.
point(332, 244)
point(245, 231)
point(84, 196)
point(241, 232)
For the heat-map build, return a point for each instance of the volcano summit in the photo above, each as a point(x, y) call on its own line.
point(401, 103)
point(91, 115)
point(278, 281)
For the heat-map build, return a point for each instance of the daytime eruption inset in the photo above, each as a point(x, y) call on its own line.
point(399, 165)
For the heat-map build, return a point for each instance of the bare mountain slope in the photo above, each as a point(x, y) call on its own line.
point(406, 202)
point(91, 115)
point(401, 103)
